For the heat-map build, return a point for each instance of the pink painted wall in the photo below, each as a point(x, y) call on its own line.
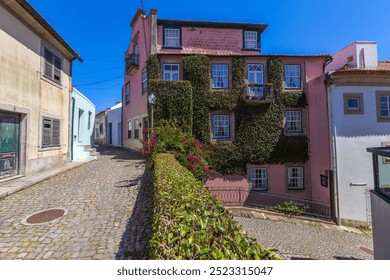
point(212, 41)
point(319, 151)
point(138, 101)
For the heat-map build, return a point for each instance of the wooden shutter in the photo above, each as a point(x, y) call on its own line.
point(56, 133)
point(48, 71)
point(46, 133)
point(57, 69)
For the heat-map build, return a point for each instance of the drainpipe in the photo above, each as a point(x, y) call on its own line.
point(333, 151)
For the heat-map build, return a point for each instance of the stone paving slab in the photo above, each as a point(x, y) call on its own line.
point(99, 198)
point(311, 240)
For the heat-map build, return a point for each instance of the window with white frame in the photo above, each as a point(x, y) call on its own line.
point(255, 73)
point(220, 75)
point(170, 72)
point(292, 76)
point(258, 178)
point(137, 126)
point(383, 106)
point(52, 66)
point(353, 103)
point(172, 37)
point(293, 121)
point(129, 129)
point(295, 178)
point(251, 40)
point(127, 93)
point(221, 126)
point(144, 80)
point(50, 132)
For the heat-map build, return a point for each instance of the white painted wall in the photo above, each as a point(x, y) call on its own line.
point(352, 135)
point(82, 134)
point(364, 55)
point(114, 116)
point(24, 91)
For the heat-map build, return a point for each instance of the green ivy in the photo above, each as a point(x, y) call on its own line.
point(259, 131)
point(153, 67)
point(196, 70)
point(174, 102)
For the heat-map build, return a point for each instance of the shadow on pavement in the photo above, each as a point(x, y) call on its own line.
point(119, 154)
point(135, 240)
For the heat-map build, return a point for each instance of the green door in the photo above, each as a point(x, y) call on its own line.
point(9, 144)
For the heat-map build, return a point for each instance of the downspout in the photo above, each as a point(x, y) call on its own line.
point(333, 151)
point(72, 127)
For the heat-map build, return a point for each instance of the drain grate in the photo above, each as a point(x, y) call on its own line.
point(44, 216)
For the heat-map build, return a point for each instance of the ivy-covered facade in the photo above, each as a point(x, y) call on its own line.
point(262, 116)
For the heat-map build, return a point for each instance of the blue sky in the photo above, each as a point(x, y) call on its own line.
point(100, 30)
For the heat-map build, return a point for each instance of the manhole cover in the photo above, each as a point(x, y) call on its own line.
point(44, 216)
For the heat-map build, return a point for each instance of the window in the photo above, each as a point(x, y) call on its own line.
point(144, 80)
point(129, 128)
point(50, 132)
point(221, 126)
point(383, 106)
point(172, 37)
point(353, 103)
point(170, 72)
point(137, 125)
point(52, 66)
point(100, 128)
point(251, 40)
point(293, 122)
point(255, 80)
point(292, 76)
point(127, 93)
point(258, 178)
point(295, 178)
point(135, 54)
point(220, 75)
point(89, 119)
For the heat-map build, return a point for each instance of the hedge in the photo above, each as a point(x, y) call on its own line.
point(189, 223)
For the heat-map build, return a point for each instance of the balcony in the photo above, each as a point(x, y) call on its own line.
point(132, 64)
point(259, 94)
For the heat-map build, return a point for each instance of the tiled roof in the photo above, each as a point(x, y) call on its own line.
point(383, 68)
point(224, 52)
point(384, 65)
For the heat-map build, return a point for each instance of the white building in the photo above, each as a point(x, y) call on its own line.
point(83, 119)
point(358, 88)
point(114, 125)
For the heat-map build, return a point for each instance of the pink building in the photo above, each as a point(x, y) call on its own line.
point(221, 42)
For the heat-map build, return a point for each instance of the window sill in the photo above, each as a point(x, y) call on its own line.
point(248, 50)
point(265, 190)
point(296, 190)
point(49, 149)
point(221, 139)
point(175, 48)
point(293, 89)
point(295, 133)
point(52, 82)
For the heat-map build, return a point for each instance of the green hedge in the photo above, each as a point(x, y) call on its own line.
point(189, 223)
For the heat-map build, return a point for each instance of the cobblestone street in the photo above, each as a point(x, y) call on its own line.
point(98, 199)
point(299, 240)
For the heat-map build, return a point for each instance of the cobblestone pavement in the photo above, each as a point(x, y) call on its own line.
point(308, 241)
point(99, 198)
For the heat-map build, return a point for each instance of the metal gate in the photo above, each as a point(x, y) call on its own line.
point(9, 144)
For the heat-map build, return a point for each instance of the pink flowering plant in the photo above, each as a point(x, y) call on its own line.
point(190, 152)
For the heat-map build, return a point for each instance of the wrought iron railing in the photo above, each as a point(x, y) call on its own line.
point(259, 92)
point(241, 196)
point(132, 63)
